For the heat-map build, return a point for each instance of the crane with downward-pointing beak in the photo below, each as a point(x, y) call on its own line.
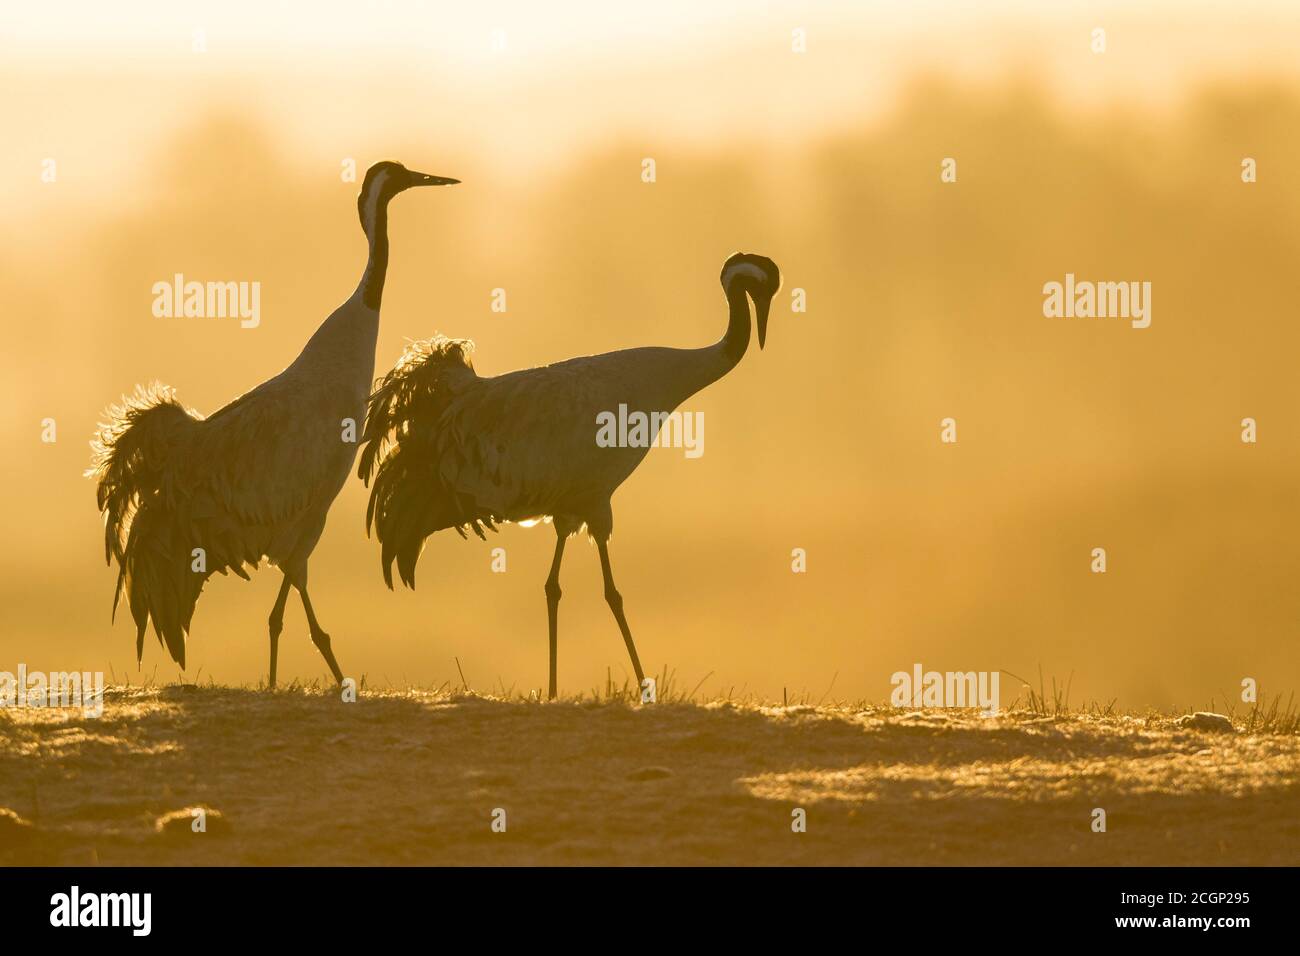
point(446, 448)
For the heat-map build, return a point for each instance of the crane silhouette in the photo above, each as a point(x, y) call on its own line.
point(184, 497)
point(449, 449)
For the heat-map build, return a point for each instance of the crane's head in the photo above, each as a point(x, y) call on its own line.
point(384, 181)
point(756, 276)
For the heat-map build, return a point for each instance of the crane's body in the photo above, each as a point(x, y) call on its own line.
point(449, 449)
point(501, 441)
point(185, 497)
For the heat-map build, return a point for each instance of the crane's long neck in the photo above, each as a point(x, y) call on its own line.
point(372, 280)
point(695, 369)
point(717, 360)
point(347, 339)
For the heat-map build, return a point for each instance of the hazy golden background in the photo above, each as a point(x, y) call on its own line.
point(924, 301)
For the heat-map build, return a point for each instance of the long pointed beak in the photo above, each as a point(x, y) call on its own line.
point(761, 307)
point(424, 179)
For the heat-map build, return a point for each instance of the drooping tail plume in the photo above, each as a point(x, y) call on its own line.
point(134, 453)
point(403, 450)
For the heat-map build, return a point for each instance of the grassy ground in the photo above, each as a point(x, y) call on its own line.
point(298, 777)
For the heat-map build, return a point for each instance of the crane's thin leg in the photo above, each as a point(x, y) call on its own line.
point(276, 624)
point(553, 603)
point(319, 637)
point(615, 602)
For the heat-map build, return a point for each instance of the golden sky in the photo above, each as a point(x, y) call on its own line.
point(571, 75)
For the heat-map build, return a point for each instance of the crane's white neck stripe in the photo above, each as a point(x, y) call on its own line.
point(371, 205)
point(734, 272)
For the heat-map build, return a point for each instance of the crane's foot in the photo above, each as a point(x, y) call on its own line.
point(275, 627)
point(615, 602)
point(322, 642)
point(275, 624)
point(553, 594)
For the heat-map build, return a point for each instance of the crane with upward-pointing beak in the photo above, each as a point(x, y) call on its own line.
point(184, 496)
